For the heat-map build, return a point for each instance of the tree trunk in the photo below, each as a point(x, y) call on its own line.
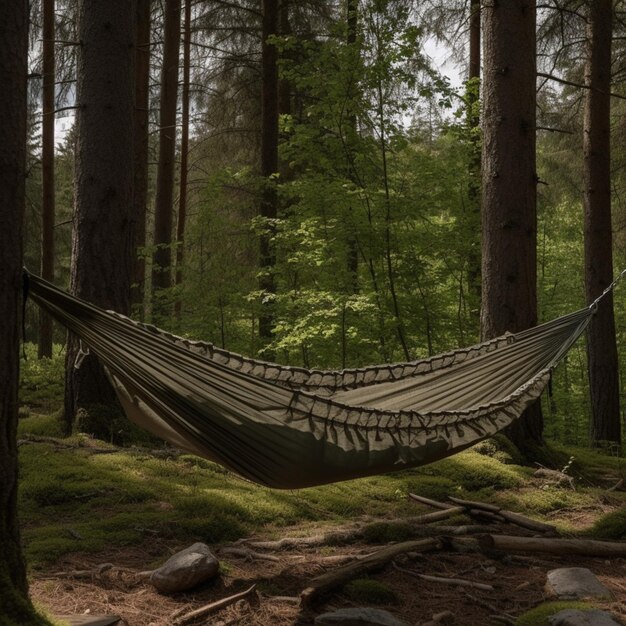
point(164, 203)
point(473, 192)
point(15, 607)
point(103, 233)
point(47, 172)
point(141, 142)
point(184, 157)
point(269, 163)
point(509, 217)
point(601, 342)
point(352, 9)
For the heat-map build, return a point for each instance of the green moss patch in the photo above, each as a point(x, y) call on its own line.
point(539, 616)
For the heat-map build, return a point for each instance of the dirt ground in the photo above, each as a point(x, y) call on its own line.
point(517, 581)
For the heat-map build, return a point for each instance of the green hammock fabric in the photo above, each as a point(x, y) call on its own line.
point(289, 427)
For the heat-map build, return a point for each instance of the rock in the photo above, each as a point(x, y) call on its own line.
point(575, 583)
point(186, 569)
point(360, 616)
point(574, 617)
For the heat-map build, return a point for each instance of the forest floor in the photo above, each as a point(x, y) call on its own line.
point(84, 503)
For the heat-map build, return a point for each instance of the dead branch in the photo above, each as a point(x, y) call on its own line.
point(326, 582)
point(445, 617)
point(245, 553)
point(457, 582)
point(432, 503)
point(581, 547)
point(213, 607)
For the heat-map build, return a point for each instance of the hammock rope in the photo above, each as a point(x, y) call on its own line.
point(291, 427)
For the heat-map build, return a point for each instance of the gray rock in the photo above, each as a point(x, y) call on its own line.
point(574, 617)
point(575, 583)
point(360, 616)
point(186, 569)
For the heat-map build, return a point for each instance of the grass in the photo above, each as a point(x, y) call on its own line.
point(77, 499)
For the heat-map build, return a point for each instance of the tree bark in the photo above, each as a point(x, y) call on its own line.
point(473, 191)
point(509, 216)
point(15, 607)
point(601, 342)
point(164, 203)
point(269, 163)
point(47, 172)
point(103, 223)
point(184, 157)
point(141, 143)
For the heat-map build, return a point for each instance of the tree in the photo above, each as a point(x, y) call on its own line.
point(141, 141)
point(184, 152)
point(47, 171)
point(15, 607)
point(269, 160)
point(164, 202)
point(103, 223)
point(509, 216)
point(601, 344)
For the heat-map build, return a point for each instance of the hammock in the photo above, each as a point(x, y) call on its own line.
point(291, 427)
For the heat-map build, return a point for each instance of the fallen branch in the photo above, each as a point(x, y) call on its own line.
point(245, 553)
point(457, 582)
point(438, 515)
point(213, 607)
point(581, 547)
point(428, 502)
point(331, 580)
point(445, 617)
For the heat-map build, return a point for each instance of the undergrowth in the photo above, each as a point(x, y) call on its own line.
point(84, 495)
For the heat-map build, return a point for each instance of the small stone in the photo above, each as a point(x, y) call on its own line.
point(360, 616)
point(186, 569)
point(574, 617)
point(575, 583)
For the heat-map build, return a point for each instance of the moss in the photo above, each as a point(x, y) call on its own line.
point(610, 526)
point(384, 532)
point(368, 591)
point(539, 616)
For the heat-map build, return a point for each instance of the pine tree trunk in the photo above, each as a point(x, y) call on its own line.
point(184, 156)
point(103, 234)
point(269, 162)
point(164, 203)
point(15, 607)
point(141, 142)
point(47, 172)
point(601, 342)
point(473, 192)
point(509, 217)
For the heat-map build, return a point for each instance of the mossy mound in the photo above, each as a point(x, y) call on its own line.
point(369, 591)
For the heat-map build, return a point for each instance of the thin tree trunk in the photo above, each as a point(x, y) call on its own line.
point(15, 607)
point(164, 204)
point(141, 142)
point(269, 163)
point(601, 343)
point(184, 154)
point(473, 192)
point(103, 235)
point(47, 172)
point(351, 39)
point(509, 216)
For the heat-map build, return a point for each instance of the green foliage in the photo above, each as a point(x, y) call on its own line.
point(40, 425)
point(42, 380)
point(369, 591)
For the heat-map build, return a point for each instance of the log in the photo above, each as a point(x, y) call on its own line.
point(331, 580)
point(212, 607)
point(245, 553)
point(581, 547)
